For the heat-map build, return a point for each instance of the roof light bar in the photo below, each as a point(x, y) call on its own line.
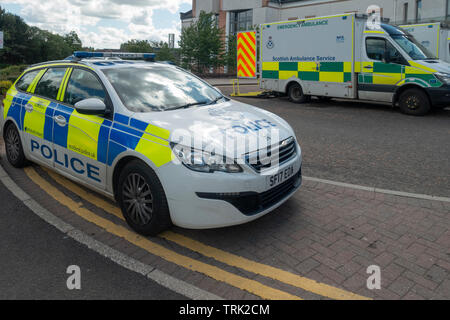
point(130, 55)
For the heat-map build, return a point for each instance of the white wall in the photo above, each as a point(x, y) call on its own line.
point(322, 8)
point(430, 9)
point(207, 6)
point(231, 5)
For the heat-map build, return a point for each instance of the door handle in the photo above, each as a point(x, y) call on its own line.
point(60, 120)
point(368, 67)
point(28, 107)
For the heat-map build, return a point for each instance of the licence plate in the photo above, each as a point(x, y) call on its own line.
point(280, 176)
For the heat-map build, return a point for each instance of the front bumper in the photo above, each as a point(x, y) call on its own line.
point(208, 200)
point(440, 96)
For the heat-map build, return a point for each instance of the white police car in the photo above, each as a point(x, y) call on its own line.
point(166, 145)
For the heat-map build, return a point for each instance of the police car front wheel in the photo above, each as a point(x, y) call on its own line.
point(142, 199)
point(14, 150)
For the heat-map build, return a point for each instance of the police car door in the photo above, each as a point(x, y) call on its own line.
point(80, 139)
point(382, 69)
point(38, 114)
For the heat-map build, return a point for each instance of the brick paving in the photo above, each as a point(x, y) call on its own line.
point(326, 233)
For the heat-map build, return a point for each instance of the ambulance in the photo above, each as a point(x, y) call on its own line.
point(433, 36)
point(343, 56)
point(128, 129)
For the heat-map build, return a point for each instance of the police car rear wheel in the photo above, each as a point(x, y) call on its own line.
point(14, 150)
point(414, 102)
point(295, 94)
point(142, 199)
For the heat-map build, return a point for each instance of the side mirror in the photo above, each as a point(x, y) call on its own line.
point(91, 106)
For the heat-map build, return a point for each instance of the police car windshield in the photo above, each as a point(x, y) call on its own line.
point(159, 88)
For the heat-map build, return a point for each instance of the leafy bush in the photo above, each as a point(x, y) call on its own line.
point(4, 86)
point(11, 73)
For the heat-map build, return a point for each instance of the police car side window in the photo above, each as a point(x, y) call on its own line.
point(83, 85)
point(26, 80)
point(49, 84)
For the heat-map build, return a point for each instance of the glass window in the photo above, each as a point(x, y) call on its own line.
point(241, 21)
point(418, 10)
point(83, 85)
point(405, 12)
point(26, 80)
point(375, 48)
point(159, 88)
point(382, 50)
point(413, 48)
point(49, 84)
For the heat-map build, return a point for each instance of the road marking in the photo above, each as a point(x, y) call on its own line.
point(262, 269)
point(176, 285)
point(216, 273)
point(218, 254)
point(379, 190)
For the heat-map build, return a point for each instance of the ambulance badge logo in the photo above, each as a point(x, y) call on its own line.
point(270, 43)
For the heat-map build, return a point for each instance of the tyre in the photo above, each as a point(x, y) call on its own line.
point(414, 102)
point(13, 146)
point(142, 199)
point(295, 94)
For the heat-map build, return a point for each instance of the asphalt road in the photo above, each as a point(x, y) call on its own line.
point(34, 257)
point(368, 143)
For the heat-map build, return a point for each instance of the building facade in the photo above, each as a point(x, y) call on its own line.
point(240, 15)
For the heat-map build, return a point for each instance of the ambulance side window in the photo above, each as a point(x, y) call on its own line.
point(375, 48)
point(49, 84)
point(83, 85)
point(26, 80)
point(380, 49)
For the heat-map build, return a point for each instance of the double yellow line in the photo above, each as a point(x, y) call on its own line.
point(216, 273)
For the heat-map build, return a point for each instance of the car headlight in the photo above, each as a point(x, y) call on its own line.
point(443, 77)
point(202, 161)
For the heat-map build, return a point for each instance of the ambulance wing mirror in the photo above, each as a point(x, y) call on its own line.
point(91, 106)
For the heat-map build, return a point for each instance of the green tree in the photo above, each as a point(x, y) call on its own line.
point(26, 45)
point(231, 54)
point(134, 45)
point(163, 52)
point(201, 45)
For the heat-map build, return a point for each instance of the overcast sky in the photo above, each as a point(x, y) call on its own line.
point(104, 23)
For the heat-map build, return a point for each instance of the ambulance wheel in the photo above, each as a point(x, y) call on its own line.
point(13, 145)
point(142, 199)
point(295, 94)
point(414, 102)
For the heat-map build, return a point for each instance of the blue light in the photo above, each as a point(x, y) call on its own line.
point(130, 55)
point(85, 54)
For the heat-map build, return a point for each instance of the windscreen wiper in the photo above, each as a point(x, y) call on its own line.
point(216, 99)
point(188, 105)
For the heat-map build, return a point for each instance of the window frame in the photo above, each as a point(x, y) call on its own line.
point(46, 70)
point(23, 75)
point(108, 101)
point(386, 41)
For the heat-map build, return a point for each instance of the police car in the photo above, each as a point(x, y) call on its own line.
point(119, 127)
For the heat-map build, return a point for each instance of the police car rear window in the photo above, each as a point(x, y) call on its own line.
point(49, 84)
point(159, 88)
point(26, 80)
